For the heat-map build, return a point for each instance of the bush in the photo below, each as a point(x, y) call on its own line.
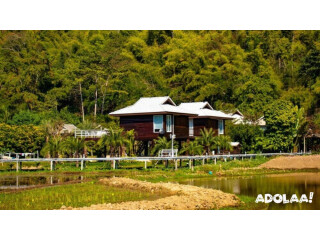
point(26, 138)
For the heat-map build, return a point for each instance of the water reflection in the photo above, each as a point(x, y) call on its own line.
point(23, 182)
point(293, 183)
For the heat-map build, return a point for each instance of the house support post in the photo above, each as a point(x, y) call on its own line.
point(215, 161)
point(202, 161)
point(190, 164)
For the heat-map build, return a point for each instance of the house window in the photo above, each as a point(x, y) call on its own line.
point(157, 123)
point(221, 126)
point(191, 132)
point(169, 123)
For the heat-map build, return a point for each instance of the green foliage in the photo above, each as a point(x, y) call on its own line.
point(162, 143)
point(207, 140)
point(192, 148)
point(83, 75)
point(116, 142)
point(26, 138)
point(282, 127)
point(25, 118)
point(223, 143)
point(246, 134)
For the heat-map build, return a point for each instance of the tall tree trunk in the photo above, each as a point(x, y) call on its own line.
point(95, 100)
point(102, 106)
point(81, 99)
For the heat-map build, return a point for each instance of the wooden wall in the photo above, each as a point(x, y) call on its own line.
point(201, 123)
point(143, 126)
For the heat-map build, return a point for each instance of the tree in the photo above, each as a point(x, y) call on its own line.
point(281, 118)
point(24, 138)
point(162, 143)
point(191, 148)
point(246, 135)
point(223, 143)
point(53, 148)
point(114, 142)
point(207, 140)
point(74, 147)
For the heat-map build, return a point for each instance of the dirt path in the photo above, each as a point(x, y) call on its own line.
point(184, 197)
point(293, 162)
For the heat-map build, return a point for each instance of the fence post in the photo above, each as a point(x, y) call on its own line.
point(145, 164)
point(114, 164)
point(202, 161)
point(215, 161)
point(176, 164)
point(190, 164)
point(52, 165)
point(17, 166)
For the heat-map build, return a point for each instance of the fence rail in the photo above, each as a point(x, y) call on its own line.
point(145, 159)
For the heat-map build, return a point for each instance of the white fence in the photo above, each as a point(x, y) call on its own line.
point(90, 133)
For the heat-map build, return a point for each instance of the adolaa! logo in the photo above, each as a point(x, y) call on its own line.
point(282, 198)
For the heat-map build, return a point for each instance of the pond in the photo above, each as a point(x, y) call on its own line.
point(291, 183)
point(21, 182)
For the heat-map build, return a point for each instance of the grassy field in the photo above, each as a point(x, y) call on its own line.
point(75, 195)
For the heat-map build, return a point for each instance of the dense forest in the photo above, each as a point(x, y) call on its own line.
point(81, 76)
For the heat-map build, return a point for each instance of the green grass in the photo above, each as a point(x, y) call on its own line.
point(248, 203)
point(74, 195)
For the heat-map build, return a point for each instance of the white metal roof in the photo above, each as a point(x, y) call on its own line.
point(204, 109)
point(152, 105)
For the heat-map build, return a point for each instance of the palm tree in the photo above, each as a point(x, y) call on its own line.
point(162, 143)
point(86, 124)
point(223, 142)
point(74, 147)
point(130, 135)
point(52, 128)
point(53, 148)
point(207, 139)
point(192, 148)
point(114, 142)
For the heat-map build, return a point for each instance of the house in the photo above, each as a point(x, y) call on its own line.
point(206, 117)
point(68, 129)
point(239, 118)
point(155, 117)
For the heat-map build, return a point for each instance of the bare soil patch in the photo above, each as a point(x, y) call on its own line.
point(293, 162)
point(184, 197)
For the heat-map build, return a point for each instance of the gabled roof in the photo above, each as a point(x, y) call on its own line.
point(204, 109)
point(68, 128)
point(152, 105)
point(237, 112)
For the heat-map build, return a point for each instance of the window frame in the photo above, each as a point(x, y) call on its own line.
point(221, 123)
point(161, 129)
point(191, 129)
point(169, 126)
